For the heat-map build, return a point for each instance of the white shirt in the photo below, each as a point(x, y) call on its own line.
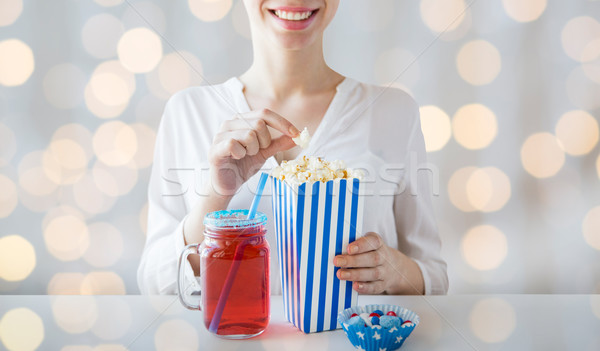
point(369, 127)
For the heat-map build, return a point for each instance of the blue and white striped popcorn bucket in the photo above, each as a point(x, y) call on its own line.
point(314, 223)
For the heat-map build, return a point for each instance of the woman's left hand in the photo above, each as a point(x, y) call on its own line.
point(376, 268)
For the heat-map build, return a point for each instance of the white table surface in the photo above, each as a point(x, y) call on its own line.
point(456, 322)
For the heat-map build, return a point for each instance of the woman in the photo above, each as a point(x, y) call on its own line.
point(236, 128)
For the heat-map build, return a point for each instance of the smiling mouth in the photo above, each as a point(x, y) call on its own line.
point(292, 15)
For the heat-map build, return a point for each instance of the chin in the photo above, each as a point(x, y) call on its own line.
point(294, 41)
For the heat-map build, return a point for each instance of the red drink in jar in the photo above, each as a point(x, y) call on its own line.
point(234, 279)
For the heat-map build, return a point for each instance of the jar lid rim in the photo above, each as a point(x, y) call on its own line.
point(233, 219)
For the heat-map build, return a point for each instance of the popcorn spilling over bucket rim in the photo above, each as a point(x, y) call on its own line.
point(377, 337)
point(314, 169)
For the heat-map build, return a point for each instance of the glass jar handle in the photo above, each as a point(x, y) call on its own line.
point(190, 249)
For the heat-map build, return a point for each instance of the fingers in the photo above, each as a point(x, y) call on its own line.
point(236, 144)
point(282, 143)
point(256, 124)
point(274, 120)
point(228, 148)
point(367, 259)
point(369, 288)
point(247, 134)
point(370, 242)
point(270, 118)
point(361, 274)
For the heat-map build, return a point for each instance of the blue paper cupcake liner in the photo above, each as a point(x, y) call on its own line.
point(376, 337)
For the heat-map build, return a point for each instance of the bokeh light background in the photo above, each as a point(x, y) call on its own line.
point(510, 102)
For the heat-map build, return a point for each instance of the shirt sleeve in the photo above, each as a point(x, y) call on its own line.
point(416, 227)
point(157, 272)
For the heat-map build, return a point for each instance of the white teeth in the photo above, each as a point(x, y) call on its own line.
point(293, 16)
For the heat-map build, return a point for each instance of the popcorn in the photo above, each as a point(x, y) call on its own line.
point(313, 169)
point(303, 139)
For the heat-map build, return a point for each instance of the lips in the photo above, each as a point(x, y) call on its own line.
point(294, 18)
point(292, 15)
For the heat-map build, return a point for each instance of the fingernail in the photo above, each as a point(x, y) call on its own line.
point(360, 286)
point(345, 275)
point(294, 131)
point(353, 249)
point(340, 261)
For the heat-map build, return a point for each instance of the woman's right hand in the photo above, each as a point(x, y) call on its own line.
point(242, 146)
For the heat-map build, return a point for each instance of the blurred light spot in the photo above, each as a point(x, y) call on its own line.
point(146, 138)
point(492, 320)
point(443, 15)
point(542, 155)
point(89, 197)
point(100, 35)
point(457, 189)
point(53, 168)
point(106, 245)
point(21, 329)
point(114, 319)
point(144, 217)
point(578, 132)
point(109, 3)
point(474, 126)
point(94, 104)
point(176, 334)
point(63, 86)
point(398, 65)
point(176, 71)
point(17, 258)
point(65, 284)
point(102, 283)
point(436, 127)
point(38, 203)
point(478, 62)
point(115, 143)
point(109, 89)
point(115, 67)
point(524, 10)
point(139, 50)
point(592, 71)
point(9, 145)
point(591, 228)
point(488, 189)
point(10, 10)
point(75, 316)
point(68, 153)
point(461, 30)
point(595, 303)
point(484, 247)
point(210, 10)
point(114, 181)
point(66, 237)
point(373, 17)
point(582, 91)
point(580, 38)
point(239, 18)
point(36, 176)
point(77, 133)
point(16, 62)
point(144, 13)
point(183, 65)
point(8, 196)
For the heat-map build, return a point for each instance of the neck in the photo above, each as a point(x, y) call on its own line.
point(278, 73)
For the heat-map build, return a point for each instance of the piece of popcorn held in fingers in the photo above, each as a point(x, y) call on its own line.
point(303, 139)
